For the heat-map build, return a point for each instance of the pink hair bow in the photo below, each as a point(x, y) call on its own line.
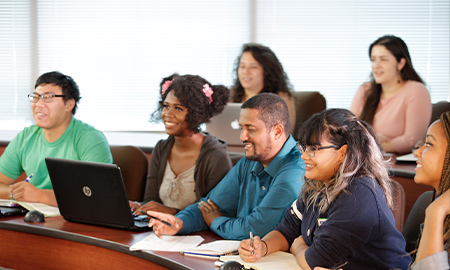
point(165, 86)
point(208, 92)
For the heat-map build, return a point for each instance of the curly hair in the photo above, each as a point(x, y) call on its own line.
point(363, 158)
point(68, 85)
point(275, 79)
point(399, 49)
point(189, 90)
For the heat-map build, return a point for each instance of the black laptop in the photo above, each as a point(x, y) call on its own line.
point(92, 193)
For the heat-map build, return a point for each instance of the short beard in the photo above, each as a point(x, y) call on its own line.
point(261, 156)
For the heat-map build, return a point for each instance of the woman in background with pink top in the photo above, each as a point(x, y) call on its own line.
point(395, 101)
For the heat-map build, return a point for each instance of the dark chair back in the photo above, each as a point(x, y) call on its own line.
point(306, 104)
point(439, 108)
point(133, 163)
point(416, 217)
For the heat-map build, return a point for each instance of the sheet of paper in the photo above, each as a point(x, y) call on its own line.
point(218, 246)
point(168, 243)
point(408, 157)
point(47, 210)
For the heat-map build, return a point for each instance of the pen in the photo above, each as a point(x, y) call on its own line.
point(251, 242)
point(28, 178)
point(163, 221)
point(337, 266)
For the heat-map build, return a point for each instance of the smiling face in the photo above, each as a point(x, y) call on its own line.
point(325, 163)
point(385, 68)
point(431, 157)
point(174, 115)
point(256, 138)
point(55, 116)
point(250, 73)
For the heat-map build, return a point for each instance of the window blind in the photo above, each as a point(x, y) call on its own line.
point(118, 51)
point(323, 44)
point(16, 48)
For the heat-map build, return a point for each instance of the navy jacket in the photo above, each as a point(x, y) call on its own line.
point(358, 227)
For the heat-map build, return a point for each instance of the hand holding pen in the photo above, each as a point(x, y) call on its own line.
point(164, 223)
point(150, 216)
point(17, 190)
point(251, 249)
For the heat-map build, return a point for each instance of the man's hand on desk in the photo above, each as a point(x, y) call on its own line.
point(209, 211)
point(160, 223)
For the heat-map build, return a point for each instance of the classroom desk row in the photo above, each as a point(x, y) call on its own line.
point(59, 244)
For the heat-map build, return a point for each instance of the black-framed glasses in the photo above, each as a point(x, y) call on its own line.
point(311, 151)
point(46, 97)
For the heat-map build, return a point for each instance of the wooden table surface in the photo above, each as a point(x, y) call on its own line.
point(59, 244)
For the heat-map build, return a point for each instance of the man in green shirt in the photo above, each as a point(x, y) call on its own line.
point(56, 133)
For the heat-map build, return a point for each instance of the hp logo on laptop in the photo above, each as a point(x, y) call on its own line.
point(87, 191)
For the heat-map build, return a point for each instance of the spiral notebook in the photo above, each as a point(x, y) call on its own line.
point(214, 250)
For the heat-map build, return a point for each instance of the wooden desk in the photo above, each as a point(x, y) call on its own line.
point(59, 244)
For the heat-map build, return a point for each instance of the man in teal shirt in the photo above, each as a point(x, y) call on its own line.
point(255, 193)
point(55, 134)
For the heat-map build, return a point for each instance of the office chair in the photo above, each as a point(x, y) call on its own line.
point(416, 217)
point(306, 104)
point(398, 204)
point(439, 108)
point(133, 163)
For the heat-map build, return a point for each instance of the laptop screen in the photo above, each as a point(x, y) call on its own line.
point(225, 126)
point(90, 192)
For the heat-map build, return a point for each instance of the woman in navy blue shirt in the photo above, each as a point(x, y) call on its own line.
point(343, 212)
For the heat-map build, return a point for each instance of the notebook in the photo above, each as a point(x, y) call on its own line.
point(92, 193)
point(214, 250)
point(225, 126)
point(279, 260)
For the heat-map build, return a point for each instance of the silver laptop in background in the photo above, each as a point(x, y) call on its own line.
point(92, 193)
point(225, 126)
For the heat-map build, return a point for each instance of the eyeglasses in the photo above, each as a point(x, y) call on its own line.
point(311, 151)
point(46, 97)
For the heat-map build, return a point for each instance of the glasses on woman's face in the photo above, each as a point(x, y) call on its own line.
point(311, 151)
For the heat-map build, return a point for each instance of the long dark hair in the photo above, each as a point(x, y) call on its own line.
point(363, 158)
point(275, 79)
point(399, 49)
